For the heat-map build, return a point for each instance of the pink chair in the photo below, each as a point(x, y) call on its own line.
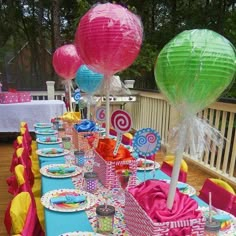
point(221, 198)
point(21, 156)
point(233, 209)
point(21, 216)
point(167, 169)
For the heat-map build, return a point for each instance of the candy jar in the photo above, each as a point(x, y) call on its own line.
point(66, 142)
point(105, 218)
point(212, 228)
point(90, 179)
point(79, 158)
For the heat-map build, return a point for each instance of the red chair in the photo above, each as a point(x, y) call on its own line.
point(233, 209)
point(167, 167)
point(21, 156)
point(223, 195)
point(22, 184)
point(21, 217)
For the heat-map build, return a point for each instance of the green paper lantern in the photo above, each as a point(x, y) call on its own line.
point(194, 68)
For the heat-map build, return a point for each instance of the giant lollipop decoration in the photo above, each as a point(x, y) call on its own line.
point(66, 62)
point(88, 81)
point(192, 70)
point(108, 39)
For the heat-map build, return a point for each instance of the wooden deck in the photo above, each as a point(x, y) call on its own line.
point(196, 177)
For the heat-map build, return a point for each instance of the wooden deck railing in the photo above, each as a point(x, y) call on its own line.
point(152, 110)
point(43, 95)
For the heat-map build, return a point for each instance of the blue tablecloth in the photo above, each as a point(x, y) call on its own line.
point(57, 223)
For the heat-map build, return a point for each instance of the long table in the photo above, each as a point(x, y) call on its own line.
point(57, 223)
point(31, 112)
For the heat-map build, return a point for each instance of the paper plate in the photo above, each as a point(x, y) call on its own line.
point(229, 230)
point(43, 125)
point(151, 167)
point(189, 190)
point(91, 200)
point(46, 132)
point(56, 142)
point(44, 171)
point(79, 233)
point(41, 153)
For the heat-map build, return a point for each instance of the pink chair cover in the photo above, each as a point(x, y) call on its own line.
point(221, 198)
point(26, 162)
point(233, 209)
point(32, 225)
point(166, 168)
point(27, 136)
point(12, 185)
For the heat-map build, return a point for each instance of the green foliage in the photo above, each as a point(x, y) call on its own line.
point(143, 64)
point(32, 20)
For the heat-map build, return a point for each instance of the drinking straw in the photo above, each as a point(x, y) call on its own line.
point(210, 208)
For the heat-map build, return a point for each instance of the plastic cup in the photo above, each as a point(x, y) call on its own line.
point(90, 181)
point(79, 157)
point(212, 228)
point(66, 142)
point(105, 218)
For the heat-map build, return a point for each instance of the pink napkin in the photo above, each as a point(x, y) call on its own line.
point(152, 197)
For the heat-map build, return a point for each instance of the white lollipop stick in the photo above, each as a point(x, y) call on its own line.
point(118, 142)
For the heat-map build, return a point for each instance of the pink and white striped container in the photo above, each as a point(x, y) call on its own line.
point(140, 224)
point(80, 140)
point(106, 171)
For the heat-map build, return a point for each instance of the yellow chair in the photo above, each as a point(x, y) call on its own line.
point(223, 184)
point(21, 218)
point(36, 190)
point(223, 195)
point(170, 160)
point(167, 167)
point(23, 124)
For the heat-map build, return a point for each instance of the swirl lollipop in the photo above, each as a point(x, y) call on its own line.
point(122, 123)
point(146, 142)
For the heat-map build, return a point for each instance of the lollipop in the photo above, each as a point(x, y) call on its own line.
point(108, 39)
point(66, 62)
point(192, 70)
point(146, 142)
point(122, 123)
point(88, 81)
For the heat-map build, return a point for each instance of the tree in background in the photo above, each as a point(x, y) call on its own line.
point(53, 23)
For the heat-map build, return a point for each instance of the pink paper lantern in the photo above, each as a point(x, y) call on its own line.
point(66, 61)
point(109, 38)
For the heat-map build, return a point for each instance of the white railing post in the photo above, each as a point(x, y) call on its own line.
point(51, 90)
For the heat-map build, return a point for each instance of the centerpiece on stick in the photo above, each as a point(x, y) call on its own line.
point(88, 81)
point(109, 38)
point(66, 62)
point(192, 70)
point(147, 142)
